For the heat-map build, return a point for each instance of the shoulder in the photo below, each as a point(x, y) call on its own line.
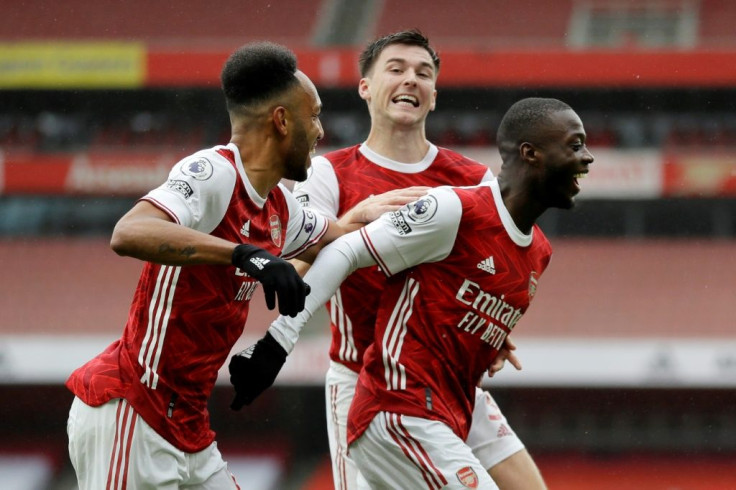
point(458, 158)
point(342, 156)
point(206, 165)
point(471, 170)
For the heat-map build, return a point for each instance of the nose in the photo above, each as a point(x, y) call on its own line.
point(321, 132)
point(410, 77)
point(588, 157)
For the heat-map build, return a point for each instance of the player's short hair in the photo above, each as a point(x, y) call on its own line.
point(411, 37)
point(524, 118)
point(257, 72)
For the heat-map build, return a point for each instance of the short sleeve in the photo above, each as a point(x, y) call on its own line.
point(321, 190)
point(305, 227)
point(422, 231)
point(197, 192)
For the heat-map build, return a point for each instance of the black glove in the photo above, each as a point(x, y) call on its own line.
point(277, 276)
point(255, 369)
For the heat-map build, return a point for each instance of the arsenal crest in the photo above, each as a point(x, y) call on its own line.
point(533, 279)
point(275, 224)
point(467, 477)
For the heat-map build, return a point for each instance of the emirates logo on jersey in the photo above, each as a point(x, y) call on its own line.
point(467, 477)
point(275, 224)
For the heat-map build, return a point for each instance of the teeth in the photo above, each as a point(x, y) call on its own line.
point(406, 98)
point(580, 175)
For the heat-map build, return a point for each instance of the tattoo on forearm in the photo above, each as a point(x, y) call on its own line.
point(165, 248)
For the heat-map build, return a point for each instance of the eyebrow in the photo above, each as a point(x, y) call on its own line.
point(403, 61)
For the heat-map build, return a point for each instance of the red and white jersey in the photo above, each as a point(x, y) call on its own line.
point(184, 320)
point(461, 274)
point(341, 179)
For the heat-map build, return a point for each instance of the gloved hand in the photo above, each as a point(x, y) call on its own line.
point(278, 277)
point(255, 369)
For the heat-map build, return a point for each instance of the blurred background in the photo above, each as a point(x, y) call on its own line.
point(629, 349)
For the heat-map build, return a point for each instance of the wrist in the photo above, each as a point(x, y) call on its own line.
point(241, 253)
point(281, 339)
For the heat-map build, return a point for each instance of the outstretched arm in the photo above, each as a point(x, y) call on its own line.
point(253, 370)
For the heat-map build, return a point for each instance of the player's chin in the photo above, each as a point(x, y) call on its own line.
point(563, 201)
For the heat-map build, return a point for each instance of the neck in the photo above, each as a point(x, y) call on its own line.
point(524, 210)
point(258, 154)
point(408, 145)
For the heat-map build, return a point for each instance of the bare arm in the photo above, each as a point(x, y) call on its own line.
point(147, 233)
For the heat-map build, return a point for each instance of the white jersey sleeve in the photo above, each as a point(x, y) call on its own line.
point(488, 176)
point(421, 231)
point(304, 229)
point(197, 191)
point(321, 190)
point(334, 263)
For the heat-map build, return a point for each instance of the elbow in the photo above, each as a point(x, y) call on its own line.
point(120, 241)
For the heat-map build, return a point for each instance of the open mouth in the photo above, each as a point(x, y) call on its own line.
point(576, 178)
point(406, 100)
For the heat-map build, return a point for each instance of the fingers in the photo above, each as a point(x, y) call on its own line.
point(514, 361)
point(496, 366)
point(237, 403)
point(292, 298)
point(401, 196)
point(270, 294)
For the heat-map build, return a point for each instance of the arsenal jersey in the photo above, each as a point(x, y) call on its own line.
point(184, 320)
point(460, 276)
point(341, 179)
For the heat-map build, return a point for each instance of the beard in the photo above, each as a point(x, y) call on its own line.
point(297, 158)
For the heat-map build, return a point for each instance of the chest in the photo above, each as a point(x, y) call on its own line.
point(263, 226)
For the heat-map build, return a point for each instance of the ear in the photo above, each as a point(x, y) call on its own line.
point(279, 118)
point(364, 86)
point(529, 153)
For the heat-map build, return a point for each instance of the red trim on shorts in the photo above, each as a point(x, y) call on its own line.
point(415, 452)
point(120, 456)
point(339, 461)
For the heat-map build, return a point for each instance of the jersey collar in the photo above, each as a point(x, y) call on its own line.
point(516, 235)
point(403, 167)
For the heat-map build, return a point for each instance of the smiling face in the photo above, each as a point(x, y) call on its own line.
point(400, 87)
point(306, 129)
point(563, 159)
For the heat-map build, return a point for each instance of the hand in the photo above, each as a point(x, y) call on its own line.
point(370, 208)
point(505, 354)
point(253, 370)
point(278, 277)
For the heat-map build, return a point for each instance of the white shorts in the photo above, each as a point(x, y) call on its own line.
point(112, 447)
point(339, 390)
point(491, 438)
point(398, 451)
